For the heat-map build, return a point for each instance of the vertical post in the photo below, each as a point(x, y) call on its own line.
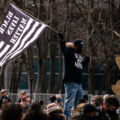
point(31, 79)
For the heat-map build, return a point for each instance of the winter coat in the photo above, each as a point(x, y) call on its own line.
point(74, 63)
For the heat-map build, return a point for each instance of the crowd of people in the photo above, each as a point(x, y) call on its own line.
point(95, 108)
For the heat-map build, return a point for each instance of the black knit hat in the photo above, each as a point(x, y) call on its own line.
point(89, 108)
point(53, 98)
point(85, 97)
point(78, 43)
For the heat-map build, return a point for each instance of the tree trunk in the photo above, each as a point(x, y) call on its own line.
point(14, 75)
point(40, 66)
point(91, 78)
point(42, 46)
point(58, 88)
point(2, 77)
point(30, 70)
point(109, 77)
point(52, 67)
point(53, 46)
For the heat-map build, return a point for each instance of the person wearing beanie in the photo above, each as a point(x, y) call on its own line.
point(53, 99)
point(74, 63)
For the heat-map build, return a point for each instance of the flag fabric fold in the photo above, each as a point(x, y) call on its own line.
point(17, 32)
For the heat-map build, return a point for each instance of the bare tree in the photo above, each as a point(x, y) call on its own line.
point(53, 45)
point(42, 46)
point(96, 22)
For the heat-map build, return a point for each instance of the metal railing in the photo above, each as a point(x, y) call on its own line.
point(45, 97)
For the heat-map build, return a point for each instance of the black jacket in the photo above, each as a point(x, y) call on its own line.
point(74, 62)
point(107, 116)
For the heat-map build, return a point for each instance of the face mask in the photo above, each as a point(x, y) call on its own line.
point(59, 100)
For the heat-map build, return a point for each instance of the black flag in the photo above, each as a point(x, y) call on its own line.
point(17, 32)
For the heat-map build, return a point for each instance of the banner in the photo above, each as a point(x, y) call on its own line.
point(17, 32)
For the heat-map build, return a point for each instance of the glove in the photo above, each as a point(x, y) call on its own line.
point(61, 36)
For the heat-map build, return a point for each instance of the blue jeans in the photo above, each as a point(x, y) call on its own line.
point(73, 93)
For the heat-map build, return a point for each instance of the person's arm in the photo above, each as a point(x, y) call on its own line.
point(62, 42)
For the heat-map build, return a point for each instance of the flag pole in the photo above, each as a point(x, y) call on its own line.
point(53, 29)
point(13, 4)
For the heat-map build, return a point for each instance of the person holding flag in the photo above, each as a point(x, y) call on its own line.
point(74, 63)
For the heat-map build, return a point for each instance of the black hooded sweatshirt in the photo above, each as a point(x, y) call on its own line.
point(74, 62)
